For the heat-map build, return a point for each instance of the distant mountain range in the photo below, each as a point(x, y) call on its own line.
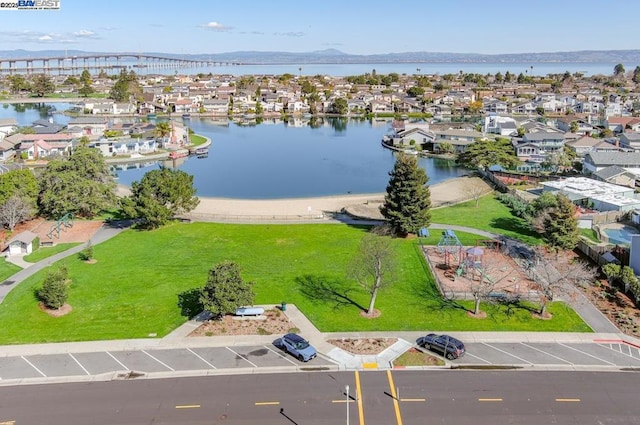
point(338, 57)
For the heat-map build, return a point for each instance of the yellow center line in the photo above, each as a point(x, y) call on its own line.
point(396, 406)
point(267, 403)
point(359, 398)
point(567, 399)
point(188, 406)
point(413, 399)
point(489, 399)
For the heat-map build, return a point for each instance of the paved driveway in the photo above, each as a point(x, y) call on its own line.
point(148, 361)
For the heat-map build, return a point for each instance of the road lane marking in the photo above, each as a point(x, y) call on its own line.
point(507, 353)
point(33, 366)
point(567, 400)
point(394, 396)
point(242, 357)
point(162, 363)
point(267, 403)
point(7, 423)
point(188, 406)
point(587, 354)
point(200, 357)
point(370, 365)
point(548, 354)
point(489, 399)
point(79, 364)
point(118, 361)
point(359, 398)
point(343, 401)
point(413, 399)
point(479, 358)
point(280, 354)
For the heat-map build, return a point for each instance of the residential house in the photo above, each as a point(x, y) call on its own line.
point(583, 127)
point(547, 141)
point(598, 195)
point(90, 125)
point(621, 124)
point(586, 144)
point(596, 161)
point(7, 126)
point(43, 126)
point(496, 124)
point(616, 175)
point(42, 149)
point(460, 139)
point(412, 135)
point(124, 146)
point(494, 106)
point(630, 140)
point(526, 108)
point(215, 106)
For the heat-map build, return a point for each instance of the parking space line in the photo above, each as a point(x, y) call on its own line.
point(118, 361)
point(243, 357)
point(630, 354)
point(79, 364)
point(548, 354)
point(507, 353)
point(489, 399)
point(188, 406)
point(201, 358)
point(569, 400)
point(479, 358)
point(280, 354)
point(33, 366)
point(267, 403)
point(587, 354)
point(159, 361)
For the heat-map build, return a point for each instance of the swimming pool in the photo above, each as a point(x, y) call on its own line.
point(620, 236)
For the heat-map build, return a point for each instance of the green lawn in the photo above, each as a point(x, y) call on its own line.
point(42, 253)
point(7, 269)
point(590, 234)
point(197, 140)
point(491, 215)
point(134, 288)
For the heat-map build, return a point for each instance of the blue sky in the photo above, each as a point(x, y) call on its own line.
point(352, 26)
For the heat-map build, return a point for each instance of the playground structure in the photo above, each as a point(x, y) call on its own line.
point(460, 270)
point(60, 225)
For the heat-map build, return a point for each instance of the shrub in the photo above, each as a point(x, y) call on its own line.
point(55, 289)
point(87, 253)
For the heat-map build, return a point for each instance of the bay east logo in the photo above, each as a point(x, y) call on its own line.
point(38, 4)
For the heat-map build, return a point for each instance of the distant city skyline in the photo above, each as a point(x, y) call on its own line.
point(372, 27)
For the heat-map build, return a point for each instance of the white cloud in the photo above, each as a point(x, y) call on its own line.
point(84, 33)
point(45, 38)
point(216, 26)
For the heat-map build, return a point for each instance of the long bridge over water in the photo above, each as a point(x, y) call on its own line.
point(101, 61)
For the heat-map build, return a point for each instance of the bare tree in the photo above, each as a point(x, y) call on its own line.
point(559, 277)
point(482, 288)
point(15, 210)
point(373, 266)
point(475, 189)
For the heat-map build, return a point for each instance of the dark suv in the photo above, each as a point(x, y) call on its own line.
point(450, 347)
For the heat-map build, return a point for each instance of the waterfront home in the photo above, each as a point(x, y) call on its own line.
point(596, 161)
point(7, 126)
point(459, 139)
point(90, 125)
point(41, 149)
point(43, 126)
point(411, 135)
point(124, 146)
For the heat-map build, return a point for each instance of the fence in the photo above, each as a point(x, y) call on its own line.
point(251, 218)
point(597, 253)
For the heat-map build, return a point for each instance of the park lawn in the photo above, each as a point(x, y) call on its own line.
point(197, 140)
point(7, 269)
point(491, 216)
point(46, 252)
point(133, 289)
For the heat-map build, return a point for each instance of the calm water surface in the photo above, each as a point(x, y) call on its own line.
point(280, 160)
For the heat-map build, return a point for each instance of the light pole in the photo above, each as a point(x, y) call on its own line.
point(346, 390)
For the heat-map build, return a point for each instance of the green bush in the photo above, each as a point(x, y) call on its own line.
point(55, 289)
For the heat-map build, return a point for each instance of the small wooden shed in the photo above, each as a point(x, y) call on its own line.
point(22, 243)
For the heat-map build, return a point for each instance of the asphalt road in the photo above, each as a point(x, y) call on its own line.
point(384, 398)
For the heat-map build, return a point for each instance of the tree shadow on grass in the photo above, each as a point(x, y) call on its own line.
point(329, 290)
point(189, 303)
point(515, 225)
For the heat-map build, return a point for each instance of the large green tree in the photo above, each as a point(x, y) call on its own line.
point(125, 86)
point(18, 84)
point(18, 182)
point(561, 225)
point(159, 196)
point(80, 184)
point(225, 290)
point(339, 106)
point(485, 153)
point(42, 84)
point(408, 199)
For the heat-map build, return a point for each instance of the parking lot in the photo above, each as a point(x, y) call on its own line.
point(547, 354)
point(147, 361)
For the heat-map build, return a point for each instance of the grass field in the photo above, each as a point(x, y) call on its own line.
point(491, 215)
point(42, 253)
point(141, 285)
point(7, 269)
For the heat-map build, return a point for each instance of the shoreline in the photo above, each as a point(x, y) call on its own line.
point(367, 205)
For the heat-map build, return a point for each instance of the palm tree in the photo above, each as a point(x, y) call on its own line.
point(163, 129)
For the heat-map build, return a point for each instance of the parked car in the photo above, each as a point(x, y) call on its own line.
point(448, 346)
point(298, 347)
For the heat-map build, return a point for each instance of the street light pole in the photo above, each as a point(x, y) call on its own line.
point(346, 390)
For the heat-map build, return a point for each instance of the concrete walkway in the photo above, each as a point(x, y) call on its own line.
point(107, 231)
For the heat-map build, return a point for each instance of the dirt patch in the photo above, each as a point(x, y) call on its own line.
point(273, 322)
point(363, 346)
point(375, 313)
point(80, 231)
point(65, 309)
point(616, 305)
